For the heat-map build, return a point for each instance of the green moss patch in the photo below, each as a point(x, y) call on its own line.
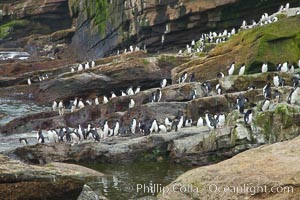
point(8, 28)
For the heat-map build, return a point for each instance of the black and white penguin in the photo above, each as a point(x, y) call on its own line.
point(113, 95)
point(133, 126)
point(284, 67)
point(162, 128)
point(54, 106)
point(154, 126)
point(96, 101)
point(106, 129)
point(131, 103)
point(231, 69)
point(158, 95)
point(183, 77)
point(291, 69)
point(93, 64)
point(152, 97)
point(179, 124)
point(61, 108)
point(89, 102)
point(137, 90)
point(188, 122)
point(278, 81)
point(248, 116)
point(242, 69)
point(251, 87)
point(28, 81)
point(74, 138)
point(81, 104)
point(219, 89)
point(294, 95)
point(297, 12)
point(220, 75)
point(87, 65)
point(80, 67)
point(206, 87)
point(94, 136)
point(200, 122)
point(278, 67)
point(276, 96)
point(123, 94)
point(163, 83)
point(266, 104)
point(267, 90)
point(221, 119)
point(264, 68)
point(23, 141)
point(81, 132)
point(40, 138)
point(192, 78)
point(168, 123)
point(193, 94)
point(241, 100)
point(210, 121)
point(129, 91)
point(52, 136)
point(105, 100)
point(295, 81)
point(116, 128)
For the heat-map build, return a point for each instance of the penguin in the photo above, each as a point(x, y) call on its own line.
point(75, 102)
point(200, 122)
point(231, 69)
point(284, 67)
point(295, 81)
point(219, 89)
point(162, 129)
point(54, 105)
point(168, 123)
point(154, 126)
point(61, 108)
point(192, 78)
point(89, 102)
point(23, 141)
point(276, 96)
point(251, 87)
point(248, 116)
point(278, 67)
point(291, 69)
point(179, 125)
point(51, 137)
point(267, 90)
point(193, 94)
point(87, 66)
point(220, 75)
point(153, 97)
point(287, 6)
point(133, 125)
point(137, 90)
point(80, 67)
point(206, 87)
point(72, 69)
point(105, 100)
point(242, 69)
point(93, 64)
point(95, 136)
point(163, 83)
point(81, 132)
point(28, 81)
point(106, 129)
point(266, 104)
point(123, 94)
point(131, 103)
point(80, 104)
point(40, 137)
point(210, 121)
point(264, 68)
point(97, 101)
point(158, 95)
point(294, 94)
point(188, 122)
point(221, 120)
point(183, 77)
point(297, 12)
point(278, 81)
point(241, 100)
point(129, 91)
point(74, 138)
point(113, 95)
point(116, 128)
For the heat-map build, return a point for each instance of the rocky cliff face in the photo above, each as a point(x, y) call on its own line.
point(114, 24)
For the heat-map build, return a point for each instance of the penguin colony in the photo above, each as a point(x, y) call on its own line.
point(103, 130)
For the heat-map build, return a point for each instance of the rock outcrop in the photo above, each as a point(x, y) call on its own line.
point(268, 172)
point(51, 181)
point(112, 25)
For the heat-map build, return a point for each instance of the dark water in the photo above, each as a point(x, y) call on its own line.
point(130, 181)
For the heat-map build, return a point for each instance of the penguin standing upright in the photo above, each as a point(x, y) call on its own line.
point(131, 103)
point(133, 125)
point(242, 69)
point(294, 95)
point(29, 81)
point(264, 68)
point(200, 122)
point(61, 108)
point(266, 104)
point(40, 137)
point(54, 105)
point(206, 87)
point(116, 128)
point(210, 121)
point(96, 101)
point(158, 95)
point(248, 116)
point(163, 83)
point(267, 90)
point(183, 77)
point(278, 81)
point(231, 69)
point(23, 141)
